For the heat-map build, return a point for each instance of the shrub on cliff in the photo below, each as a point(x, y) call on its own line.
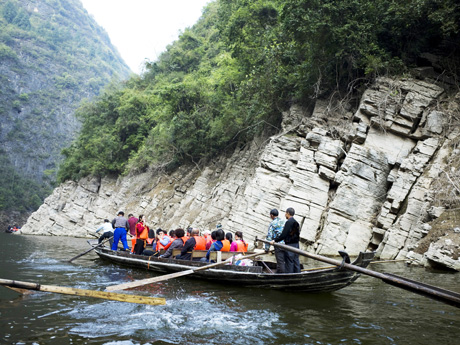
point(229, 77)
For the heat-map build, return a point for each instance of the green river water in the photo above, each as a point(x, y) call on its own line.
point(367, 312)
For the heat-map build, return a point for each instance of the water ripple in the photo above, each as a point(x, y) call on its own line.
point(184, 320)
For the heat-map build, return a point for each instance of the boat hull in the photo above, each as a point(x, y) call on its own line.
point(322, 280)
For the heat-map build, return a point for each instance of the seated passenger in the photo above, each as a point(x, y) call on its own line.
point(151, 238)
point(239, 245)
point(213, 239)
point(227, 242)
point(195, 242)
point(162, 241)
point(217, 245)
point(207, 237)
point(178, 243)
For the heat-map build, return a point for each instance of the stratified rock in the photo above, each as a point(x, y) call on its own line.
point(370, 189)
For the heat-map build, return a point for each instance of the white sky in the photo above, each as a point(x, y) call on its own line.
point(141, 29)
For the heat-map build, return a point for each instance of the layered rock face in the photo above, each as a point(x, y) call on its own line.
point(368, 190)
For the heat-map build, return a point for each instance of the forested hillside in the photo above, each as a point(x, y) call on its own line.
point(230, 76)
point(53, 55)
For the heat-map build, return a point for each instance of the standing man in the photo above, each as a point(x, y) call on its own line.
point(291, 236)
point(132, 224)
point(274, 230)
point(121, 225)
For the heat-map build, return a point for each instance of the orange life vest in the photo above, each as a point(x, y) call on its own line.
point(160, 246)
point(242, 246)
point(133, 243)
point(143, 229)
point(200, 243)
point(226, 246)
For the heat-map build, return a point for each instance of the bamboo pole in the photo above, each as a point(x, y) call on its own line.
point(82, 292)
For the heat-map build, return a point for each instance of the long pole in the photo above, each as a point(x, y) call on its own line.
point(443, 295)
point(84, 253)
point(82, 292)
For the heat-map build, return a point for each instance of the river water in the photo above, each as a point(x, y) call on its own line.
point(367, 312)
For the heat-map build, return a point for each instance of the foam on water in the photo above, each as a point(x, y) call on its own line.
point(190, 319)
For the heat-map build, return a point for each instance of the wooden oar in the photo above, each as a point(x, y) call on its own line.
point(82, 292)
point(84, 253)
point(443, 295)
point(137, 283)
point(372, 262)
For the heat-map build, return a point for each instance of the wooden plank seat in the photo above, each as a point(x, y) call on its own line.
point(217, 256)
point(213, 256)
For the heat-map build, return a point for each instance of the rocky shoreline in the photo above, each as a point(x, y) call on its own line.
point(358, 181)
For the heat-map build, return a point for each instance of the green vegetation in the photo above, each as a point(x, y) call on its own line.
point(229, 77)
point(17, 191)
point(53, 55)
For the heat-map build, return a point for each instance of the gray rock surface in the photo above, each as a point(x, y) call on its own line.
point(371, 191)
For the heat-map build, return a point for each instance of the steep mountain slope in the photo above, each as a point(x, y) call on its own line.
point(53, 55)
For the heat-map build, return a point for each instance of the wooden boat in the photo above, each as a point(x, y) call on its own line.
point(259, 275)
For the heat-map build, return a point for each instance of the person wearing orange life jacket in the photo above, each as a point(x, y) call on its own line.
point(151, 239)
point(195, 242)
point(172, 237)
point(162, 240)
point(178, 243)
point(227, 242)
point(239, 245)
point(188, 234)
point(215, 246)
point(150, 246)
point(142, 233)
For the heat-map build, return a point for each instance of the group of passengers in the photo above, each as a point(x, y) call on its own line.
point(160, 243)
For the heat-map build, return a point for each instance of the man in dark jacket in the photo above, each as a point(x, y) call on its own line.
point(189, 245)
point(291, 236)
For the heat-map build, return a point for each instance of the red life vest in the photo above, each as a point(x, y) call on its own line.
point(242, 246)
point(200, 243)
point(226, 246)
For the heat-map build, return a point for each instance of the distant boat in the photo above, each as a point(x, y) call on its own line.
point(11, 230)
point(260, 275)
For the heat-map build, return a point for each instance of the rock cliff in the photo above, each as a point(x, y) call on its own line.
point(358, 181)
point(47, 68)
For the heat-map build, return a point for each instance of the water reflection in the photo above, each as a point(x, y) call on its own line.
point(368, 312)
